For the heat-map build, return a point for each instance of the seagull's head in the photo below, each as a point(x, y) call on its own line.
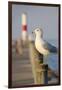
point(38, 32)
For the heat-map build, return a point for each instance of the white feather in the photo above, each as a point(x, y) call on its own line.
point(39, 46)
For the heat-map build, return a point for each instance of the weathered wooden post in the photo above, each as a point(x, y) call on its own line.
point(19, 48)
point(43, 74)
point(38, 68)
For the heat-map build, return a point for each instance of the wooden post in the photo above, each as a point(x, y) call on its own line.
point(19, 48)
point(38, 68)
point(43, 70)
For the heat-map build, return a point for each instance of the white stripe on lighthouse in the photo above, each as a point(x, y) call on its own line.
point(24, 19)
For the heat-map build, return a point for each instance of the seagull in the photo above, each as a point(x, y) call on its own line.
point(41, 45)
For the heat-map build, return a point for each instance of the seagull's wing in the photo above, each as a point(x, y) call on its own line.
point(50, 47)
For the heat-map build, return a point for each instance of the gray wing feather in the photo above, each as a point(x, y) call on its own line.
point(50, 47)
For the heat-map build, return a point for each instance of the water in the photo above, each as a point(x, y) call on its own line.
point(52, 59)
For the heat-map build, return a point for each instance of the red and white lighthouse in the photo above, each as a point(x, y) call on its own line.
point(24, 27)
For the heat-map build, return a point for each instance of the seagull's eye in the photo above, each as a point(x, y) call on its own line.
point(37, 30)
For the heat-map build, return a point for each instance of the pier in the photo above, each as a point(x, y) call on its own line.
point(28, 68)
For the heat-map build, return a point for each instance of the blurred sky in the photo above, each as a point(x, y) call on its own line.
point(37, 16)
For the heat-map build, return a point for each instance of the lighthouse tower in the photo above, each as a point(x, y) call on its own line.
point(24, 28)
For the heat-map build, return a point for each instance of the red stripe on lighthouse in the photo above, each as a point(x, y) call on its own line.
point(24, 27)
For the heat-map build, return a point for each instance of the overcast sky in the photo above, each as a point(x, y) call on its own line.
point(37, 16)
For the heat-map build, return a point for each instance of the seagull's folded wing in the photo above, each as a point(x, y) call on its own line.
point(50, 47)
